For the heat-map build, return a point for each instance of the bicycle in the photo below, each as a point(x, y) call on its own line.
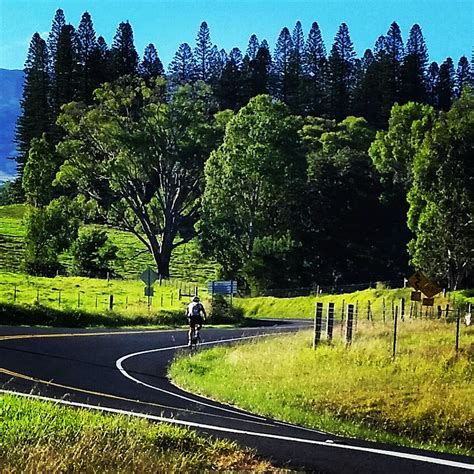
point(195, 337)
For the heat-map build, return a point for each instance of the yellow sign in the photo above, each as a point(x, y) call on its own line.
point(420, 282)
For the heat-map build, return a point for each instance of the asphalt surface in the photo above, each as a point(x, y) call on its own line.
point(125, 371)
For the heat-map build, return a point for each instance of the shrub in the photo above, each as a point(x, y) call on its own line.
point(93, 253)
point(223, 312)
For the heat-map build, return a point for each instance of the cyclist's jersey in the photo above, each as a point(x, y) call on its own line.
point(193, 312)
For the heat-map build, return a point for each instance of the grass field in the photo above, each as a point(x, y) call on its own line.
point(186, 264)
point(422, 398)
point(38, 436)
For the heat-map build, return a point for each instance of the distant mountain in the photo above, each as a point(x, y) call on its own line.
point(11, 88)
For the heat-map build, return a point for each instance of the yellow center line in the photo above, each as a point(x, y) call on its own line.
point(81, 334)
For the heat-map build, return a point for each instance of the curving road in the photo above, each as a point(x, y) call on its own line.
point(125, 372)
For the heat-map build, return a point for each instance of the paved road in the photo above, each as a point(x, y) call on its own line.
point(126, 371)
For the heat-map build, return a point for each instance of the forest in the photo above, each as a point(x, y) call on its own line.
point(290, 166)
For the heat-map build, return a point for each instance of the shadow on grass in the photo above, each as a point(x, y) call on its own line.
point(36, 315)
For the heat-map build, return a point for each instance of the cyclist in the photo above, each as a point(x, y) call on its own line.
point(193, 313)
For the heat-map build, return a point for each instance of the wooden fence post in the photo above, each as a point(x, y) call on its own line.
point(342, 317)
point(383, 310)
point(318, 319)
point(395, 321)
point(330, 321)
point(111, 302)
point(350, 319)
point(458, 319)
point(402, 309)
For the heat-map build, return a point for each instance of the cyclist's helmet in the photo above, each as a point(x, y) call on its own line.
point(196, 299)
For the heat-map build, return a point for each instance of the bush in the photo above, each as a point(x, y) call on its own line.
point(223, 312)
point(93, 254)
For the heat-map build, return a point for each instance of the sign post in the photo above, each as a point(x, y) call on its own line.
point(222, 287)
point(149, 277)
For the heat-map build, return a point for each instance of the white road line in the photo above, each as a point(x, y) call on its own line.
point(119, 365)
point(335, 445)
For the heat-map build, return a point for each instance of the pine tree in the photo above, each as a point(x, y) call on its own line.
point(124, 57)
point(202, 52)
point(65, 85)
point(257, 75)
point(59, 21)
point(464, 75)
point(182, 68)
point(414, 67)
point(217, 60)
point(87, 58)
point(229, 88)
point(341, 73)
point(446, 84)
point(253, 47)
point(315, 71)
point(151, 66)
point(394, 43)
point(432, 79)
point(100, 60)
point(35, 118)
point(281, 65)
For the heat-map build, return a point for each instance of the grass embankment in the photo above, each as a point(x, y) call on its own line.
point(303, 306)
point(186, 262)
point(422, 398)
point(38, 436)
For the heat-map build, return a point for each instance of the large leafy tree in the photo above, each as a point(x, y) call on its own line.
point(142, 159)
point(343, 188)
point(442, 197)
point(253, 183)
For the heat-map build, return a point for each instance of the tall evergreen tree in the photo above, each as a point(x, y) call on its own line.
point(87, 58)
point(202, 52)
point(258, 74)
point(315, 71)
point(101, 64)
point(432, 79)
point(217, 60)
point(414, 67)
point(464, 75)
point(65, 85)
point(151, 66)
point(341, 73)
point(281, 65)
point(182, 68)
point(124, 56)
point(229, 88)
point(253, 47)
point(35, 118)
point(394, 43)
point(446, 84)
point(59, 21)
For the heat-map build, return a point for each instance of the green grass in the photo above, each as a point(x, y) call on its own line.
point(304, 306)
point(422, 398)
point(186, 263)
point(82, 302)
point(38, 436)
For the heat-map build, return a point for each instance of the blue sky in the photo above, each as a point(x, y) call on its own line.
point(448, 25)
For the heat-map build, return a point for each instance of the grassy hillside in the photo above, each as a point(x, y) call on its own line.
point(422, 398)
point(304, 306)
point(186, 262)
point(44, 437)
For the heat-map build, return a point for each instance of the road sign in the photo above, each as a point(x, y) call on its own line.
point(149, 277)
point(428, 301)
point(415, 296)
point(149, 291)
point(422, 283)
point(222, 287)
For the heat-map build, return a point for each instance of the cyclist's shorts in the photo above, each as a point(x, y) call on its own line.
point(195, 321)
